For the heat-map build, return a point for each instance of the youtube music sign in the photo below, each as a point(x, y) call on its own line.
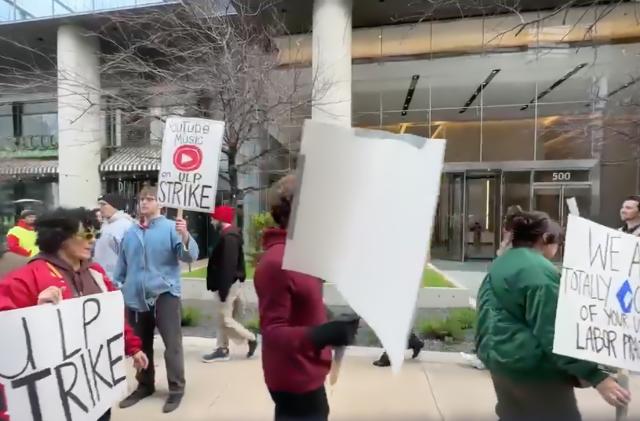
point(191, 149)
point(187, 158)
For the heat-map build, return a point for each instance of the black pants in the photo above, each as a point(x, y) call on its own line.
point(166, 316)
point(310, 406)
point(529, 401)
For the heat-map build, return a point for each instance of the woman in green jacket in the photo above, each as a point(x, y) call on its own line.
point(516, 319)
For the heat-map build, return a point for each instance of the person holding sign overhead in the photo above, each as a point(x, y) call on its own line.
point(63, 270)
point(296, 353)
point(149, 271)
point(516, 323)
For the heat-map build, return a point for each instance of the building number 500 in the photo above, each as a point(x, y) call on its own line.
point(561, 176)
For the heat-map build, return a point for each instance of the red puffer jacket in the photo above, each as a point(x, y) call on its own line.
point(21, 289)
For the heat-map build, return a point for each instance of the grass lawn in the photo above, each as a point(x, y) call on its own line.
point(202, 272)
point(431, 278)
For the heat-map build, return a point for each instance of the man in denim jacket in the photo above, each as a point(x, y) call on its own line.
point(148, 271)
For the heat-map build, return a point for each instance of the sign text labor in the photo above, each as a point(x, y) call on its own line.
point(191, 150)
point(63, 362)
point(598, 313)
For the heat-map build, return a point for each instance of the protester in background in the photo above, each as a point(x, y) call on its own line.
point(21, 239)
point(149, 271)
point(414, 344)
point(296, 357)
point(225, 275)
point(99, 216)
point(10, 261)
point(516, 321)
point(630, 215)
point(63, 270)
point(505, 245)
point(114, 226)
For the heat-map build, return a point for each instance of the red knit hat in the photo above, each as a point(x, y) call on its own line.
point(224, 214)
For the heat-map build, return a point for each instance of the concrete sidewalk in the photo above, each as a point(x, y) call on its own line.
point(436, 387)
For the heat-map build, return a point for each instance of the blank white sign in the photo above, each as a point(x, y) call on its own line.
point(363, 218)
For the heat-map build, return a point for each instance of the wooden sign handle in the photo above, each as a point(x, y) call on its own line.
point(179, 215)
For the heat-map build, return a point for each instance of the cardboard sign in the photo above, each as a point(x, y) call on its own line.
point(191, 150)
point(65, 362)
point(362, 220)
point(598, 312)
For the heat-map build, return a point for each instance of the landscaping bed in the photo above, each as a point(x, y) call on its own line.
point(450, 330)
point(430, 278)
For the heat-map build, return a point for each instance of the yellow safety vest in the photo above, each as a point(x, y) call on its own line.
point(27, 239)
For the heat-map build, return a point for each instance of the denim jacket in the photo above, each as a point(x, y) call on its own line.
point(149, 262)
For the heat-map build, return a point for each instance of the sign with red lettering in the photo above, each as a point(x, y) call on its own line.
point(63, 362)
point(191, 150)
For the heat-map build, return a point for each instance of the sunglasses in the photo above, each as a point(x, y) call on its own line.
point(88, 235)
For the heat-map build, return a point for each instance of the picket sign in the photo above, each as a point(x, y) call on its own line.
point(188, 177)
point(378, 272)
point(191, 149)
point(63, 362)
point(597, 264)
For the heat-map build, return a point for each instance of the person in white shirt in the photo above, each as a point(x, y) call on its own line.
point(115, 224)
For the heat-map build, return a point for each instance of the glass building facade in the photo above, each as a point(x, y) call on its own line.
point(532, 115)
point(18, 10)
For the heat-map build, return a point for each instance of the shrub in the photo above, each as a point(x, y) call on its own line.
point(190, 316)
point(259, 222)
point(441, 329)
point(466, 317)
point(372, 339)
point(253, 325)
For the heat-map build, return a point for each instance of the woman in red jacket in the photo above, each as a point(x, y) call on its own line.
point(296, 357)
point(63, 270)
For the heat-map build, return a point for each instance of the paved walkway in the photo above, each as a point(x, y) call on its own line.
point(437, 387)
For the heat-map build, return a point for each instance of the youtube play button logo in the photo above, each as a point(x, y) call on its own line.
point(187, 158)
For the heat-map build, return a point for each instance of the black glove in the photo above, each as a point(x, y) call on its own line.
point(335, 333)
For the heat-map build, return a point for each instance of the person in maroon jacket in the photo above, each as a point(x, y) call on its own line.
point(296, 357)
point(63, 270)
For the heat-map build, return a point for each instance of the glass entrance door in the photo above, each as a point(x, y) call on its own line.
point(548, 200)
point(482, 216)
point(553, 200)
point(448, 230)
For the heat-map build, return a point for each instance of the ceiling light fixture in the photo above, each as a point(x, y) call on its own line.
point(554, 85)
point(632, 82)
point(409, 97)
point(623, 87)
point(479, 89)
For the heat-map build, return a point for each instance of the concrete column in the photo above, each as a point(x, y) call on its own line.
point(332, 61)
point(80, 120)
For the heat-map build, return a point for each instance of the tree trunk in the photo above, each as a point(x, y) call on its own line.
point(236, 193)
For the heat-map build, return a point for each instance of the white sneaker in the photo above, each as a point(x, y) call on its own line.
point(473, 360)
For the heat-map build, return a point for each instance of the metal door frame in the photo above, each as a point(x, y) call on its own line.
point(495, 174)
point(463, 205)
point(561, 187)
